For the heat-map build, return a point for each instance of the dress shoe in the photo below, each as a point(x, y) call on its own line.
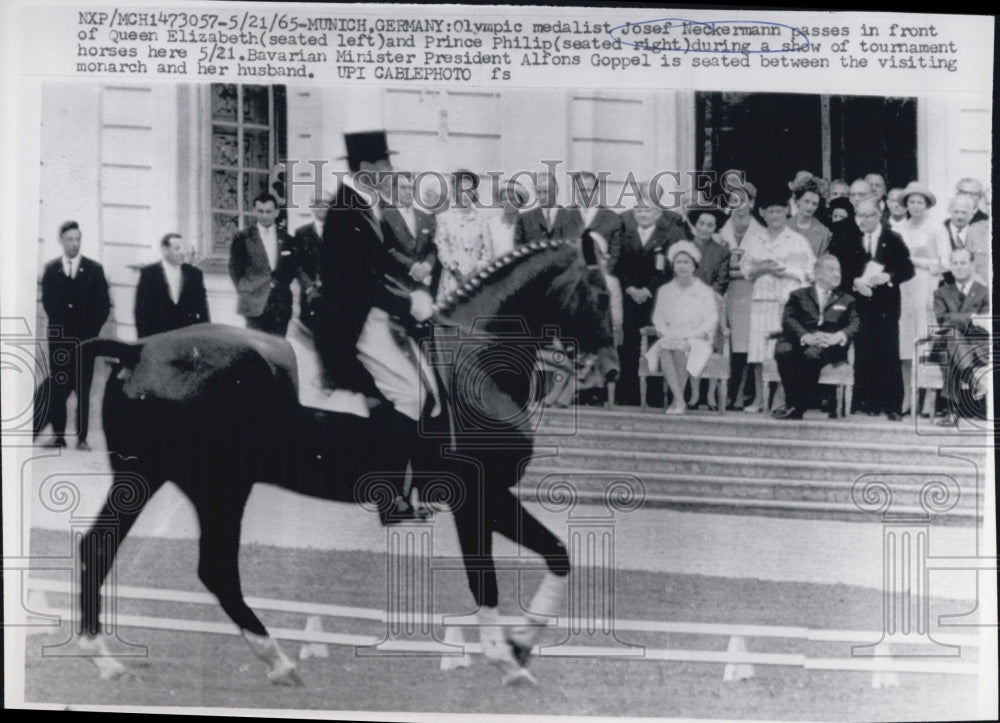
point(894, 416)
point(787, 413)
point(55, 443)
point(83, 446)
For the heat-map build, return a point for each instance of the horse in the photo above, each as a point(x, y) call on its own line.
point(215, 410)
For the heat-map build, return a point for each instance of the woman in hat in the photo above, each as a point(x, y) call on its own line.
point(463, 238)
point(930, 248)
point(778, 261)
point(512, 198)
point(741, 225)
point(713, 268)
point(686, 316)
point(840, 208)
point(809, 200)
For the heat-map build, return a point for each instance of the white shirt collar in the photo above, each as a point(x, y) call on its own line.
point(73, 263)
point(646, 233)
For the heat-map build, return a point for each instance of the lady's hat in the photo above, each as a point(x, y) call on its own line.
point(772, 196)
point(683, 247)
point(801, 179)
point(843, 204)
point(695, 212)
point(365, 146)
point(917, 187)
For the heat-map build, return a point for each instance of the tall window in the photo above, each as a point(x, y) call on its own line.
point(248, 139)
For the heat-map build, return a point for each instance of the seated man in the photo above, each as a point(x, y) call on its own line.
point(817, 326)
point(968, 348)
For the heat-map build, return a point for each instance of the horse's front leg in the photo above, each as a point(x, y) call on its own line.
point(220, 511)
point(127, 496)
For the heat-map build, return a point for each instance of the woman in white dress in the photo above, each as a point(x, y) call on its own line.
point(740, 225)
point(929, 248)
point(512, 198)
point(686, 315)
point(778, 261)
point(463, 237)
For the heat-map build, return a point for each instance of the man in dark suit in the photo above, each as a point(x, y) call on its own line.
point(547, 220)
point(262, 265)
point(648, 231)
point(171, 293)
point(593, 216)
point(818, 324)
point(365, 314)
point(76, 301)
point(409, 237)
point(878, 378)
point(308, 239)
point(968, 347)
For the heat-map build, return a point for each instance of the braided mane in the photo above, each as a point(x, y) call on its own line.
point(475, 283)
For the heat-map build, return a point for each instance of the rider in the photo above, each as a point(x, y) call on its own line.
point(365, 316)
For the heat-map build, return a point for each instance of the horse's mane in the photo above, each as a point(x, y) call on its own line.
point(504, 276)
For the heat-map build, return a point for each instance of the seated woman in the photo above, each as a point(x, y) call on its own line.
point(686, 316)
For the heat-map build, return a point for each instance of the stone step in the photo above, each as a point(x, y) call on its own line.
point(722, 465)
point(920, 432)
point(793, 497)
point(568, 439)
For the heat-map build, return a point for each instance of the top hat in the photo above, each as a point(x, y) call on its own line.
point(366, 146)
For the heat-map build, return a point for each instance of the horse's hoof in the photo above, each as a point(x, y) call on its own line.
point(519, 678)
point(109, 669)
point(286, 676)
point(521, 653)
point(97, 650)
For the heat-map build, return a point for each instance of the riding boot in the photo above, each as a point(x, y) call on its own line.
point(402, 434)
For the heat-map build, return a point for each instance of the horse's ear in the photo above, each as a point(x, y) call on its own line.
point(589, 247)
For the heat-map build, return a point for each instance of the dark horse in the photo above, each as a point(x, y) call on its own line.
point(215, 410)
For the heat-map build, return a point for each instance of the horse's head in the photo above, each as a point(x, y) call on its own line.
point(540, 291)
point(579, 303)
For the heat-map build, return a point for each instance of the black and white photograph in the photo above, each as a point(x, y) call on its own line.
point(351, 371)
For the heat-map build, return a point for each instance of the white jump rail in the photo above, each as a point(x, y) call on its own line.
point(406, 647)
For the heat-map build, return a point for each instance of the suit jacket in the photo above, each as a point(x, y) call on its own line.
point(713, 268)
point(77, 308)
point(356, 270)
point(307, 247)
point(802, 316)
point(256, 284)
point(608, 224)
point(531, 226)
point(637, 262)
point(847, 245)
point(953, 310)
point(156, 312)
point(405, 248)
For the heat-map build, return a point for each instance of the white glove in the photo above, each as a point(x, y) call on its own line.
point(421, 305)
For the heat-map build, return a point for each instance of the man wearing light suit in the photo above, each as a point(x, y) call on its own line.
point(262, 264)
point(170, 294)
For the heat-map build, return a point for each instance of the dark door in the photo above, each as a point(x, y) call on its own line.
point(770, 136)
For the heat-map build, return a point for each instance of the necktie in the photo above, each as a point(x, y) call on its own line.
point(69, 269)
point(548, 218)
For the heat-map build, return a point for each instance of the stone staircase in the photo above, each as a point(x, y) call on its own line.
point(744, 463)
